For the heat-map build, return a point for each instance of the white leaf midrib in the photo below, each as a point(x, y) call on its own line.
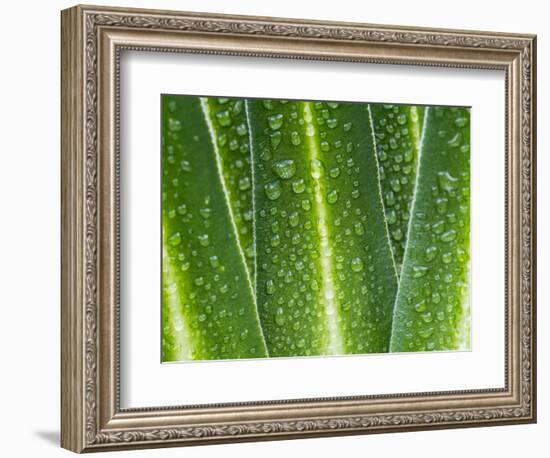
point(328, 295)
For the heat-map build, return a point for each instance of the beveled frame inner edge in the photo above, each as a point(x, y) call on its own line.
point(115, 40)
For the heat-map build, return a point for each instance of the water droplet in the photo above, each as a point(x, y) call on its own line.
point(214, 261)
point(285, 169)
point(175, 239)
point(275, 121)
point(332, 196)
point(438, 227)
point(279, 316)
point(269, 287)
point(448, 236)
point(397, 234)
point(241, 129)
point(332, 123)
point(419, 271)
point(317, 169)
point(441, 204)
point(461, 121)
point(334, 172)
point(356, 264)
point(206, 213)
point(456, 140)
point(244, 183)
point(420, 306)
point(294, 219)
point(224, 118)
point(310, 130)
point(174, 125)
point(425, 333)
point(298, 185)
point(185, 166)
point(426, 317)
point(295, 138)
point(273, 190)
point(347, 126)
point(395, 185)
point(275, 139)
point(204, 240)
point(358, 228)
point(447, 181)
point(430, 253)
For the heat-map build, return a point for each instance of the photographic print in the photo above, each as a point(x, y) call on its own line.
point(274, 250)
point(294, 228)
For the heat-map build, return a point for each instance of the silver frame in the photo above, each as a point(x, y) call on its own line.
point(92, 41)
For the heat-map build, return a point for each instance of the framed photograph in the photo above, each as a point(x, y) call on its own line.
point(279, 228)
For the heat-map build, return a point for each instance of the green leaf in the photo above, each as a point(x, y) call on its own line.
point(209, 309)
point(326, 280)
point(397, 131)
point(228, 124)
point(431, 309)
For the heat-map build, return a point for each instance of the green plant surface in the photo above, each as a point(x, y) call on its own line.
point(325, 276)
point(397, 132)
point(297, 228)
point(209, 309)
point(229, 128)
point(433, 296)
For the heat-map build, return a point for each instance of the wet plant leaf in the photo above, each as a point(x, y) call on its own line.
point(432, 301)
point(397, 131)
point(209, 309)
point(325, 276)
point(228, 124)
point(295, 228)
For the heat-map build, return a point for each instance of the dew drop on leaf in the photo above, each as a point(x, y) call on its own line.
point(285, 169)
point(273, 190)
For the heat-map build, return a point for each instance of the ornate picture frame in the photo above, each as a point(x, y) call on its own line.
point(93, 39)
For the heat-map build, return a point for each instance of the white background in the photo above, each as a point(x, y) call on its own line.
point(29, 245)
point(146, 75)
